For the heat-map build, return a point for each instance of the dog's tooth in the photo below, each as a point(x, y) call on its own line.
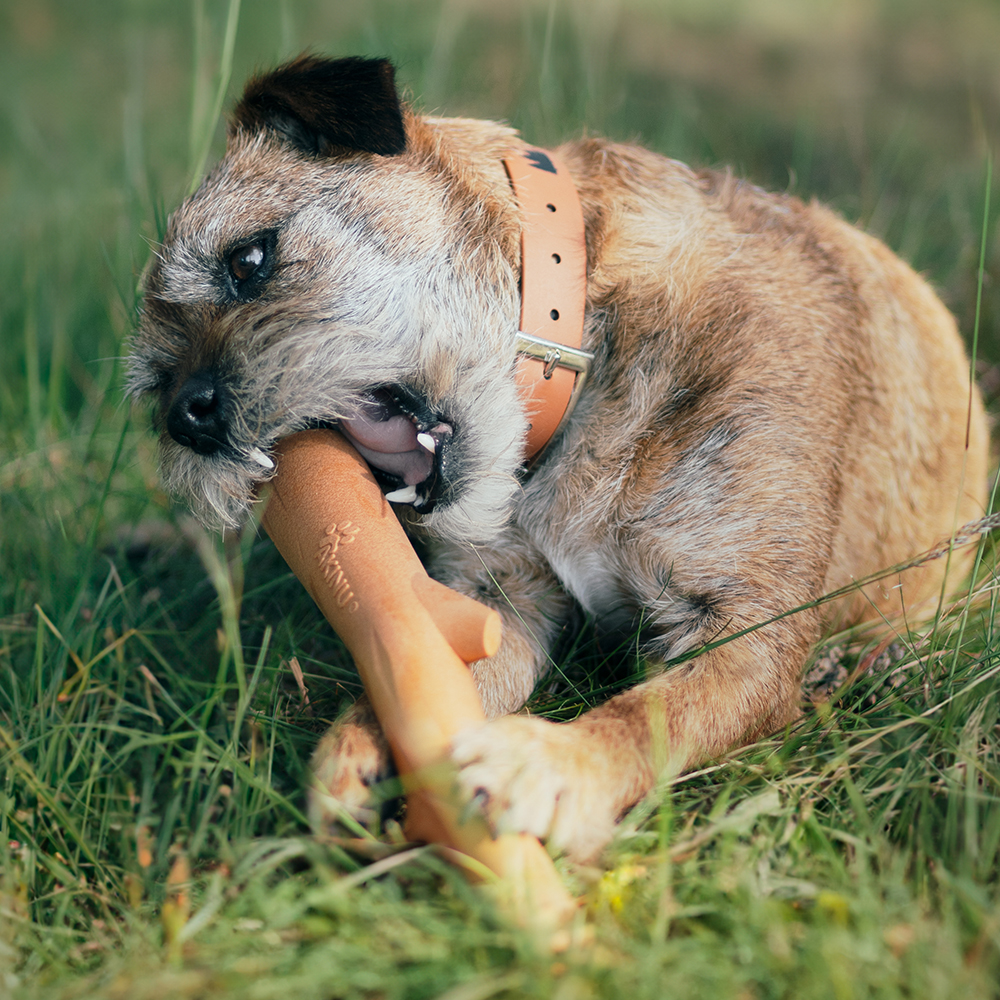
point(261, 459)
point(427, 441)
point(406, 495)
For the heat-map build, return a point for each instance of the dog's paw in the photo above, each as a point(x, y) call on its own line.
point(542, 778)
point(351, 758)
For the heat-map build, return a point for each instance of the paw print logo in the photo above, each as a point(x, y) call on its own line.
point(329, 563)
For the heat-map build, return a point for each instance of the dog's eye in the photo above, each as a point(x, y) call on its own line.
point(245, 261)
point(247, 267)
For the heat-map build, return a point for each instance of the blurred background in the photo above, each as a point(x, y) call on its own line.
point(886, 108)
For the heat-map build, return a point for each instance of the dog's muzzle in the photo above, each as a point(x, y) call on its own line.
point(405, 443)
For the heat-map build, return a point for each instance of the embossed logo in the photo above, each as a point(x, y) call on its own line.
point(333, 573)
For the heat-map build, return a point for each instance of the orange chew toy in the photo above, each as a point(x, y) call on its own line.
point(411, 639)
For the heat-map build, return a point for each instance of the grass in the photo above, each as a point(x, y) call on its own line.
point(152, 737)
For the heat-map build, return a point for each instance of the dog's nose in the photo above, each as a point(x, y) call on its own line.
point(198, 416)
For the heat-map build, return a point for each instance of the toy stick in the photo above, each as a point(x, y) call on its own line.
point(411, 639)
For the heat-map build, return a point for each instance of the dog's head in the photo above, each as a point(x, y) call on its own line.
point(347, 264)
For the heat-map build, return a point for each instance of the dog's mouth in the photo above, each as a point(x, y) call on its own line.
point(405, 444)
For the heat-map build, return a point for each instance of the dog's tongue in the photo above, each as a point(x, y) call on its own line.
point(388, 441)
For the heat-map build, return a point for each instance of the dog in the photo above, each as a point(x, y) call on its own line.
point(777, 408)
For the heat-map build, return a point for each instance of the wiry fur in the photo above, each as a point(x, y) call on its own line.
point(778, 406)
point(400, 308)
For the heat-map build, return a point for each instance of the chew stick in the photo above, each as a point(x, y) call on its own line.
point(411, 639)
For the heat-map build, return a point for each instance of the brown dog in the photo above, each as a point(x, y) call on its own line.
point(778, 407)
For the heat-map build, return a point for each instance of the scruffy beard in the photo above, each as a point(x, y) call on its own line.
point(219, 490)
point(222, 489)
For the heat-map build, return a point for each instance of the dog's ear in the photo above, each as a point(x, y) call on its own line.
point(319, 105)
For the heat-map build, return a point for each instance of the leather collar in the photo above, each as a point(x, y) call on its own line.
point(552, 366)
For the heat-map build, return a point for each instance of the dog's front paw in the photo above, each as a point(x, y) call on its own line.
point(351, 758)
point(542, 778)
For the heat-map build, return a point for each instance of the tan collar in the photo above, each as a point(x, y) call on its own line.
point(552, 368)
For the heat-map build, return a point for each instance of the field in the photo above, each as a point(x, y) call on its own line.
point(153, 738)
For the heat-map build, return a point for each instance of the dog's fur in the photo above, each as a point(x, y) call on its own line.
point(778, 407)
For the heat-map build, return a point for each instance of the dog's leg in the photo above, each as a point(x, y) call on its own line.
point(569, 783)
point(513, 577)
point(353, 755)
point(351, 758)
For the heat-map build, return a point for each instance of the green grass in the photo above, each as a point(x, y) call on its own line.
point(152, 738)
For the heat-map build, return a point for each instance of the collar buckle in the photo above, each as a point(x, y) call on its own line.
point(554, 356)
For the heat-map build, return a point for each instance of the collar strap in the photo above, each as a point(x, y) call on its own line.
point(552, 367)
